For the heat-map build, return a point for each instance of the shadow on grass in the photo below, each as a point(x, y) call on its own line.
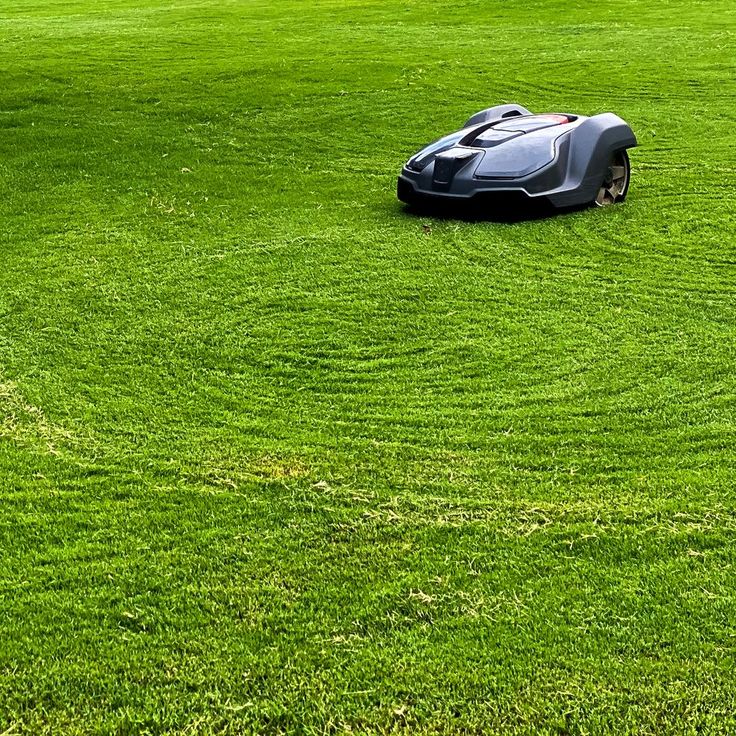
point(508, 209)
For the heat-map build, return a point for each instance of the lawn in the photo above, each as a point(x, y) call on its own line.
point(277, 456)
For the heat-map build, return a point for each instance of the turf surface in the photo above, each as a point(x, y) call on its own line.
point(278, 457)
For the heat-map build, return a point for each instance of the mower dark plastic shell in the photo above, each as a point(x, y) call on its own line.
point(507, 149)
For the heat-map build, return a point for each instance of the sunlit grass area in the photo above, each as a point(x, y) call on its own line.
point(277, 456)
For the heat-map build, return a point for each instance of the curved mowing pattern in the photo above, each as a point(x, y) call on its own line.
point(276, 457)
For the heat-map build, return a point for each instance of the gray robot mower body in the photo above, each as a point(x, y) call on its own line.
point(508, 153)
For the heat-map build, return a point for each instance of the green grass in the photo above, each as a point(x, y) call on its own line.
point(278, 457)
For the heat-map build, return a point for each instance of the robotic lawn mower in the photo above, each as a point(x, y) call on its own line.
point(506, 154)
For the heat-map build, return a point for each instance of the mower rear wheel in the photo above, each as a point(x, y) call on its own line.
point(616, 181)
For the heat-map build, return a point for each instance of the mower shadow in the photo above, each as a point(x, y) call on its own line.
point(507, 212)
